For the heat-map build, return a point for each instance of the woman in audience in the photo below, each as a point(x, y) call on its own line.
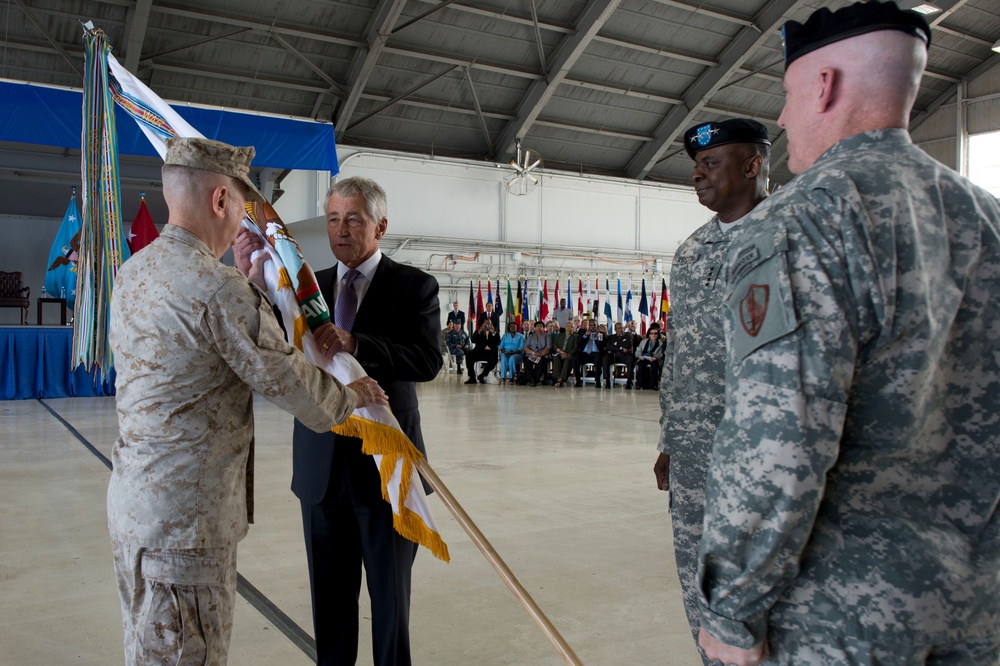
point(511, 349)
point(536, 350)
point(647, 371)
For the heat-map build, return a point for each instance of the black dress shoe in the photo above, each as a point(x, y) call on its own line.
point(470, 380)
point(482, 379)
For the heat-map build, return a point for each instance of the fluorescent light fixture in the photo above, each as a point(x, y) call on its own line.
point(925, 8)
point(996, 47)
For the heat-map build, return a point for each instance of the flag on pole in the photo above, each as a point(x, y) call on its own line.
point(664, 302)
point(569, 296)
point(524, 304)
point(543, 302)
point(143, 231)
point(479, 302)
point(60, 278)
point(517, 303)
point(555, 297)
point(628, 302)
point(618, 310)
point(607, 305)
point(499, 305)
point(597, 297)
point(489, 291)
point(643, 309)
point(590, 299)
point(470, 320)
point(579, 299)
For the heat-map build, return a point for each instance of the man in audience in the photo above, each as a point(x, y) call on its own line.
point(487, 345)
point(458, 344)
point(456, 316)
point(565, 346)
point(536, 352)
point(591, 350)
point(619, 350)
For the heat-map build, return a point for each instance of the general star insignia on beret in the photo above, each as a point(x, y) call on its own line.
point(704, 135)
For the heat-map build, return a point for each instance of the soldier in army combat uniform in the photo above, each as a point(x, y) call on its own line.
point(730, 178)
point(852, 500)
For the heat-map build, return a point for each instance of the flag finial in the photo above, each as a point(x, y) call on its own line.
point(142, 195)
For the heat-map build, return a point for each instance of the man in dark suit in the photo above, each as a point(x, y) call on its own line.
point(490, 314)
point(346, 521)
point(456, 316)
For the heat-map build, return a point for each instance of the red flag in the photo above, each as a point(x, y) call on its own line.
point(664, 301)
point(470, 320)
point(479, 302)
point(543, 309)
point(579, 301)
point(142, 232)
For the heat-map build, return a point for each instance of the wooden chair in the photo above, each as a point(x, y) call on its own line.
point(13, 294)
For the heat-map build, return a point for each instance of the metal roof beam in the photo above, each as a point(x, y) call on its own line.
point(964, 35)
point(731, 59)
point(311, 65)
point(628, 92)
point(919, 119)
point(507, 17)
point(376, 34)
point(138, 19)
point(48, 36)
point(462, 62)
point(401, 96)
point(714, 13)
point(656, 50)
point(479, 109)
point(594, 16)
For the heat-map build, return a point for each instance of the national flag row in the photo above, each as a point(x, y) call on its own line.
point(60, 277)
point(529, 299)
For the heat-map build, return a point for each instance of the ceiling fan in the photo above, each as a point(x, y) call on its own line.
point(522, 181)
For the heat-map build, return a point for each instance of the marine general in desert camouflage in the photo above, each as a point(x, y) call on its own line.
point(192, 339)
point(852, 499)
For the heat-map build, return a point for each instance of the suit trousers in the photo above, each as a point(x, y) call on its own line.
point(352, 526)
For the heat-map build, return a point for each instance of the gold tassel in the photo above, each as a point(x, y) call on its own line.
point(392, 444)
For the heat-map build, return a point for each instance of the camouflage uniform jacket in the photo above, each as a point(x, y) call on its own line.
point(192, 338)
point(856, 474)
point(692, 390)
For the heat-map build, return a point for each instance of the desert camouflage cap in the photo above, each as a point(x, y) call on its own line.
point(210, 155)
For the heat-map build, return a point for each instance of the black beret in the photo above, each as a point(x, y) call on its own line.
point(710, 135)
point(824, 27)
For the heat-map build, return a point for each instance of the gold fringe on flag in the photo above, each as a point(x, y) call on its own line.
point(390, 443)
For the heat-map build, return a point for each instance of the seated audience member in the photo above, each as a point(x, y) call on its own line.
point(511, 352)
point(650, 357)
point(458, 344)
point(527, 327)
point(536, 351)
point(449, 361)
point(591, 345)
point(487, 344)
point(564, 350)
point(619, 349)
point(630, 328)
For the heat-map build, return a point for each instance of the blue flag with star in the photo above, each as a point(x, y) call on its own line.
point(60, 278)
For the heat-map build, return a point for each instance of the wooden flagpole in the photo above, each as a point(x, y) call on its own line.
point(491, 555)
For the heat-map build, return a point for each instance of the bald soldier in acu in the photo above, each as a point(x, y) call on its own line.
point(853, 499)
point(730, 177)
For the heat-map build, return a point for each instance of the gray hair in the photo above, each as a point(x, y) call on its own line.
point(367, 189)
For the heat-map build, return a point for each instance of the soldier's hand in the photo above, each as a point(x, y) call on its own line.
point(661, 468)
point(730, 654)
point(332, 339)
point(369, 392)
point(244, 246)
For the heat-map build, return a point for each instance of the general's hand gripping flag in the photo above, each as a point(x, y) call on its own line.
point(292, 286)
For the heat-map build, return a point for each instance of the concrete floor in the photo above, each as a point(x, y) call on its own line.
point(559, 480)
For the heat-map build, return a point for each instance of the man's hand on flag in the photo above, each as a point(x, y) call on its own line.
point(244, 246)
point(369, 392)
point(332, 339)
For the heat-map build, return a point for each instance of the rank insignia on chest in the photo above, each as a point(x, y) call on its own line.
point(753, 308)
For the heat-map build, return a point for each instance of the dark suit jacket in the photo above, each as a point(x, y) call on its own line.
point(398, 344)
point(456, 317)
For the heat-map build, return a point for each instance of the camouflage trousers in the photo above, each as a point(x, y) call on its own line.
point(794, 647)
point(688, 476)
point(177, 605)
